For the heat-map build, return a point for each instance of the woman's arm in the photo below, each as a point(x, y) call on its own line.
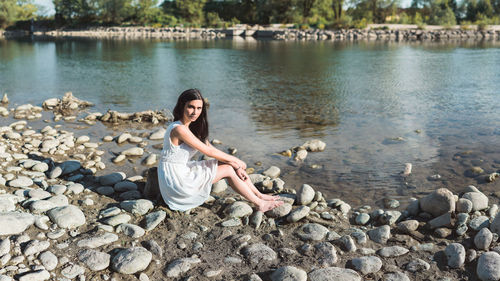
point(184, 134)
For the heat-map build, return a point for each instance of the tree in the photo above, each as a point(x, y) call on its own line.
point(115, 11)
point(14, 10)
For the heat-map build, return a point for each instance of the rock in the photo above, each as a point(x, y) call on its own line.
point(130, 195)
point(137, 207)
point(256, 219)
point(327, 254)
point(7, 205)
point(391, 252)
point(366, 265)
point(464, 205)
point(483, 239)
point(123, 138)
point(4, 246)
point(312, 232)
point(94, 260)
point(67, 217)
point(118, 219)
point(438, 202)
point(417, 265)
point(34, 247)
point(298, 214)
point(305, 195)
point(130, 261)
point(49, 260)
point(362, 219)
point(478, 199)
point(112, 179)
point(238, 209)
point(158, 134)
point(455, 254)
point(314, 145)
point(105, 190)
point(273, 172)
point(231, 222)
point(14, 223)
point(153, 219)
point(334, 274)
point(124, 186)
point(396, 276)
point(40, 167)
point(180, 266)
point(390, 217)
point(98, 241)
point(440, 221)
point(72, 270)
point(41, 206)
point(154, 248)
point(56, 172)
point(133, 151)
point(119, 158)
point(479, 222)
point(75, 188)
point(380, 234)
point(488, 266)
point(279, 211)
point(151, 159)
point(347, 243)
point(21, 182)
point(495, 225)
point(70, 166)
point(408, 226)
point(219, 186)
point(289, 273)
point(258, 253)
point(130, 230)
point(38, 275)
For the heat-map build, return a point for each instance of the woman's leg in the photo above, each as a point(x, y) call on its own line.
point(258, 193)
point(226, 171)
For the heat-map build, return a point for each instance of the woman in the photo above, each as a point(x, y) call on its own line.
point(185, 184)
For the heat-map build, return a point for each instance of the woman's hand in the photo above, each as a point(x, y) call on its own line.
point(242, 174)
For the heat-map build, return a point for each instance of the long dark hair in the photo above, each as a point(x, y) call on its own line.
point(199, 128)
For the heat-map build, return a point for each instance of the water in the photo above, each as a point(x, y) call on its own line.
point(267, 96)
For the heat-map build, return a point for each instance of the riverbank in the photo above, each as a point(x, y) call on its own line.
point(372, 32)
point(70, 209)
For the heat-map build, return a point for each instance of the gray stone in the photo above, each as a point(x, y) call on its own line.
point(98, 241)
point(137, 207)
point(130, 230)
point(57, 189)
point(480, 222)
point(94, 260)
point(396, 276)
point(231, 222)
point(39, 194)
point(34, 247)
point(334, 274)
point(413, 207)
point(105, 190)
point(41, 167)
point(380, 234)
point(326, 253)
point(49, 260)
point(130, 195)
point(7, 205)
point(219, 186)
point(478, 199)
point(362, 219)
point(154, 248)
point(298, 214)
point(118, 219)
point(455, 254)
point(438, 202)
point(158, 134)
point(38, 275)
point(109, 212)
point(4, 246)
point(180, 266)
point(56, 172)
point(238, 209)
point(41, 206)
point(58, 200)
point(152, 220)
point(21, 182)
point(366, 265)
point(441, 221)
point(112, 179)
point(390, 217)
point(257, 253)
point(391, 252)
point(488, 266)
point(256, 219)
point(347, 243)
point(70, 166)
point(280, 211)
point(273, 172)
point(75, 188)
point(408, 226)
point(483, 239)
point(130, 261)
point(312, 232)
point(72, 270)
point(417, 265)
point(305, 195)
point(14, 223)
point(124, 186)
point(464, 205)
point(67, 217)
point(495, 224)
point(289, 273)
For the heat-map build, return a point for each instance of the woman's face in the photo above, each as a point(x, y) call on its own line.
point(192, 110)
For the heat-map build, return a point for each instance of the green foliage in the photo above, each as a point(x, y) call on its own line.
point(14, 10)
point(360, 24)
point(344, 22)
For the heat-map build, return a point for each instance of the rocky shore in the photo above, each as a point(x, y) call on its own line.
point(66, 215)
point(409, 33)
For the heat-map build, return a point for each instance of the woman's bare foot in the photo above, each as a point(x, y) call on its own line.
point(269, 197)
point(265, 205)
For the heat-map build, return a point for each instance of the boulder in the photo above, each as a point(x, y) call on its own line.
point(438, 202)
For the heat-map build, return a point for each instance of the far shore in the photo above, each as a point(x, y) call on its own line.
point(391, 32)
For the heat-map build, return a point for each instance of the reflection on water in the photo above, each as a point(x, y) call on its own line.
point(377, 105)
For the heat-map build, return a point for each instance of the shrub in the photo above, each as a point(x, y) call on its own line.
point(361, 24)
point(304, 26)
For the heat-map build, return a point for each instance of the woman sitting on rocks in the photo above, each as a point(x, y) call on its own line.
point(186, 184)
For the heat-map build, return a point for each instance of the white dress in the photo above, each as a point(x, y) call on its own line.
point(184, 184)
